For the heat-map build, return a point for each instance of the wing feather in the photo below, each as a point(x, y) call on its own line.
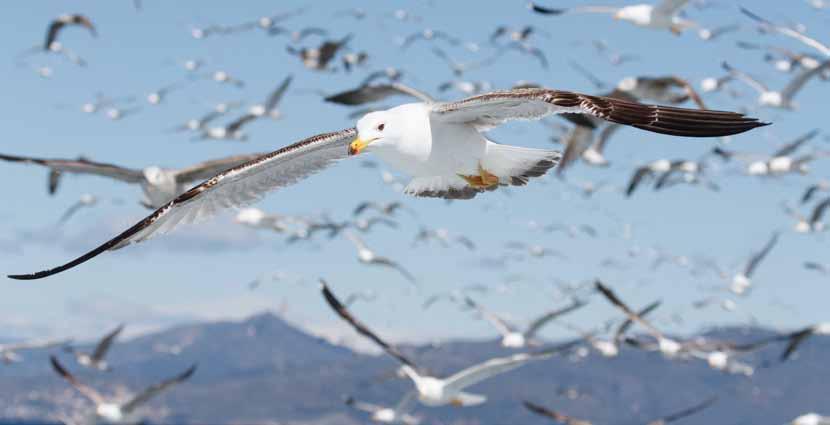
point(492, 109)
point(237, 187)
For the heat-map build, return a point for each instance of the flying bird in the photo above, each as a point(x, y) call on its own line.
point(369, 257)
point(399, 414)
point(778, 99)
point(664, 15)
point(160, 185)
point(85, 201)
point(515, 338)
point(96, 360)
point(741, 282)
point(462, 164)
point(119, 413)
point(8, 352)
point(552, 414)
point(63, 21)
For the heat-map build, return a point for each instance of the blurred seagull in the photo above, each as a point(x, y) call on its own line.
point(118, 413)
point(318, 58)
point(428, 34)
point(810, 192)
point(367, 256)
point(159, 185)
point(741, 281)
point(778, 99)
point(709, 34)
point(398, 414)
point(8, 352)
point(434, 391)
point(800, 336)
point(61, 22)
point(552, 414)
point(768, 26)
point(85, 201)
point(387, 209)
point(375, 92)
point(783, 161)
point(667, 346)
point(514, 338)
point(460, 164)
point(233, 130)
point(664, 15)
point(96, 360)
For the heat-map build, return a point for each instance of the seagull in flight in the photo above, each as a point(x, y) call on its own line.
point(96, 360)
point(664, 15)
point(160, 185)
point(118, 413)
point(367, 256)
point(399, 414)
point(741, 282)
point(63, 21)
point(778, 99)
point(434, 391)
point(514, 338)
point(460, 164)
point(8, 352)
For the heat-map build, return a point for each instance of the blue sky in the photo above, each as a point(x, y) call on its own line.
point(201, 272)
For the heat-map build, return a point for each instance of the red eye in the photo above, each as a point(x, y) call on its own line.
point(381, 127)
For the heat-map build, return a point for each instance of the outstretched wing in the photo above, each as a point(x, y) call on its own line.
point(798, 82)
point(205, 170)
point(362, 329)
point(537, 324)
point(154, 390)
point(760, 255)
point(86, 391)
point(500, 324)
point(80, 166)
point(492, 109)
point(669, 7)
point(106, 342)
point(236, 187)
point(475, 374)
point(615, 300)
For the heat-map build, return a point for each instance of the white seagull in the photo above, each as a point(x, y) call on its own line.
point(514, 338)
point(118, 413)
point(96, 359)
point(741, 281)
point(390, 415)
point(664, 15)
point(778, 99)
point(160, 185)
point(434, 391)
point(367, 256)
point(8, 352)
point(460, 164)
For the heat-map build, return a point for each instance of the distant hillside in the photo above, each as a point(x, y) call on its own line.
point(263, 370)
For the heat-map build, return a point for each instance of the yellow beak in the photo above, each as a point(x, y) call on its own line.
point(356, 146)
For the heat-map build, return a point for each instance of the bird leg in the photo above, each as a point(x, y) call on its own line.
point(483, 180)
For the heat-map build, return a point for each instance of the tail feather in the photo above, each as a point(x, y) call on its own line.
point(516, 165)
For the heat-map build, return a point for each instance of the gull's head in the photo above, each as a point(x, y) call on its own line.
point(372, 130)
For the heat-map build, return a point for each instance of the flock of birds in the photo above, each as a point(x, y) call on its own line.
point(444, 148)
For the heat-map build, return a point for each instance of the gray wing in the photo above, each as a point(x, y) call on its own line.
point(760, 255)
point(690, 411)
point(537, 324)
point(358, 326)
point(205, 170)
point(277, 94)
point(500, 324)
point(236, 187)
point(499, 365)
point(619, 335)
point(801, 79)
point(81, 166)
point(492, 109)
point(818, 211)
point(615, 300)
point(104, 346)
point(156, 389)
point(85, 390)
point(789, 32)
point(669, 7)
point(793, 146)
point(376, 92)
